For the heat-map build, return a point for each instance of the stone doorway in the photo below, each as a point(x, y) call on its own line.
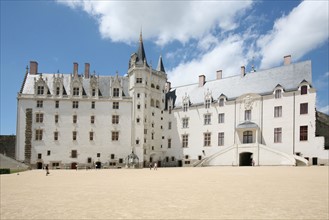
point(74, 165)
point(39, 165)
point(245, 159)
point(98, 165)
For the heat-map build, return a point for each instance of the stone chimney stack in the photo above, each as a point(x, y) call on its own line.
point(87, 70)
point(287, 60)
point(75, 69)
point(243, 71)
point(168, 86)
point(219, 74)
point(202, 80)
point(33, 67)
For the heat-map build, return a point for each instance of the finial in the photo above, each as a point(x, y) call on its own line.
point(27, 68)
point(140, 35)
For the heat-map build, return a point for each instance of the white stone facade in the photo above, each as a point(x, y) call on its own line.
point(258, 118)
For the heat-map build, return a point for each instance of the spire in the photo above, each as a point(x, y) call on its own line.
point(160, 65)
point(141, 53)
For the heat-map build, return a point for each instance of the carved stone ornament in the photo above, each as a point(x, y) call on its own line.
point(248, 101)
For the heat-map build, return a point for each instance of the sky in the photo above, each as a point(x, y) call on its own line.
point(193, 38)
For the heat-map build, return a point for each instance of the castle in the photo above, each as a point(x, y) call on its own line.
point(86, 120)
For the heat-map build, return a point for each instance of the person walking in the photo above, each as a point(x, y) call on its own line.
point(47, 170)
point(155, 166)
point(150, 166)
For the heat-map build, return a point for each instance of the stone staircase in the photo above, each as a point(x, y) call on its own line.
point(7, 162)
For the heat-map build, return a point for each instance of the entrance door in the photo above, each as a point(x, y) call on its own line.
point(39, 165)
point(315, 161)
point(98, 165)
point(180, 163)
point(73, 165)
point(245, 159)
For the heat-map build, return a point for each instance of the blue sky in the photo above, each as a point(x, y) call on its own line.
point(193, 38)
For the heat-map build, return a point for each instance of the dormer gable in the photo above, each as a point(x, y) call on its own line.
point(40, 86)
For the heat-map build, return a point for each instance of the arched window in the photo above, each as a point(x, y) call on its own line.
point(152, 85)
point(157, 104)
point(247, 137)
point(158, 87)
point(152, 102)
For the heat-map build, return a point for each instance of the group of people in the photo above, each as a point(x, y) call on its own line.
point(155, 166)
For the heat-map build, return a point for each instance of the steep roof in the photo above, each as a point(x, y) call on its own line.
point(141, 52)
point(261, 82)
point(160, 65)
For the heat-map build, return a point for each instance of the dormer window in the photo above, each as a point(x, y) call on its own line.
point(116, 92)
point(93, 92)
point(75, 91)
point(40, 90)
point(278, 94)
point(207, 103)
point(58, 90)
point(185, 107)
point(221, 102)
point(303, 90)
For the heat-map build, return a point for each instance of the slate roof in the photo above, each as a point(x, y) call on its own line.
point(261, 82)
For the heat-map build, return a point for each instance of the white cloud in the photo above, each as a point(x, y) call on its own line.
point(228, 55)
point(324, 109)
point(298, 33)
point(322, 82)
point(162, 21)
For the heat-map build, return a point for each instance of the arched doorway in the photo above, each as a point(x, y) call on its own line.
point(39, 165)
point(74, 165)
point(98, 165)
point(245, 159)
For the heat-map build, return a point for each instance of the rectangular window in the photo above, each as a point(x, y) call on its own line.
point(40, 90)
point(221, 139)
point(75, 119)
point(74, 135)
point(115, 119)
point(75, 104)
point(247, 115)
point(278, 93)
point(39, 156)
point(303, 108)
point(115, 135)
point(116, 92)
point(56, 136)
point(303, 133)
point(185, 107)
point(277, 135)
point(39, 117)
point(56, 118)
point(56, 104)
point(207, 103)
point(38, 134)
point(115, 105)
point(48, 152)
point(184, 140)
point(207, 139)
point(169, 110)
point(57, 90)
point(221, 102)
point(112, 156)
point(185, 122)
point(303, 90)
point(169, 125)
point(207, 119)
point(75, 91)
point(93, 105)
point(172, 158)
point(92, 119)
point(277, 111)
point(169, 142)
point(89, 160)
point(139, 80)
point(93, 92)
point(39, 104)
point(74, 153)
point(91, 135)
point(221, 118)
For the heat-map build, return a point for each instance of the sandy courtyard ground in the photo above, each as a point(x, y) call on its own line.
point(168, 193)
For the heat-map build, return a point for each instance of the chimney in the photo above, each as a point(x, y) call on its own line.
point(33, 67)
point(75, 69)
point(168, 86)
point(219, 74)
point(243, 71)
point(287, 60)
point(87, 68)
point(202, 80)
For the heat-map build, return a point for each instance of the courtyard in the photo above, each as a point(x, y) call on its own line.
point(168, 193)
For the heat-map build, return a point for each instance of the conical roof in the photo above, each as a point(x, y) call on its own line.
point(160, 65)
point(141, 52)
